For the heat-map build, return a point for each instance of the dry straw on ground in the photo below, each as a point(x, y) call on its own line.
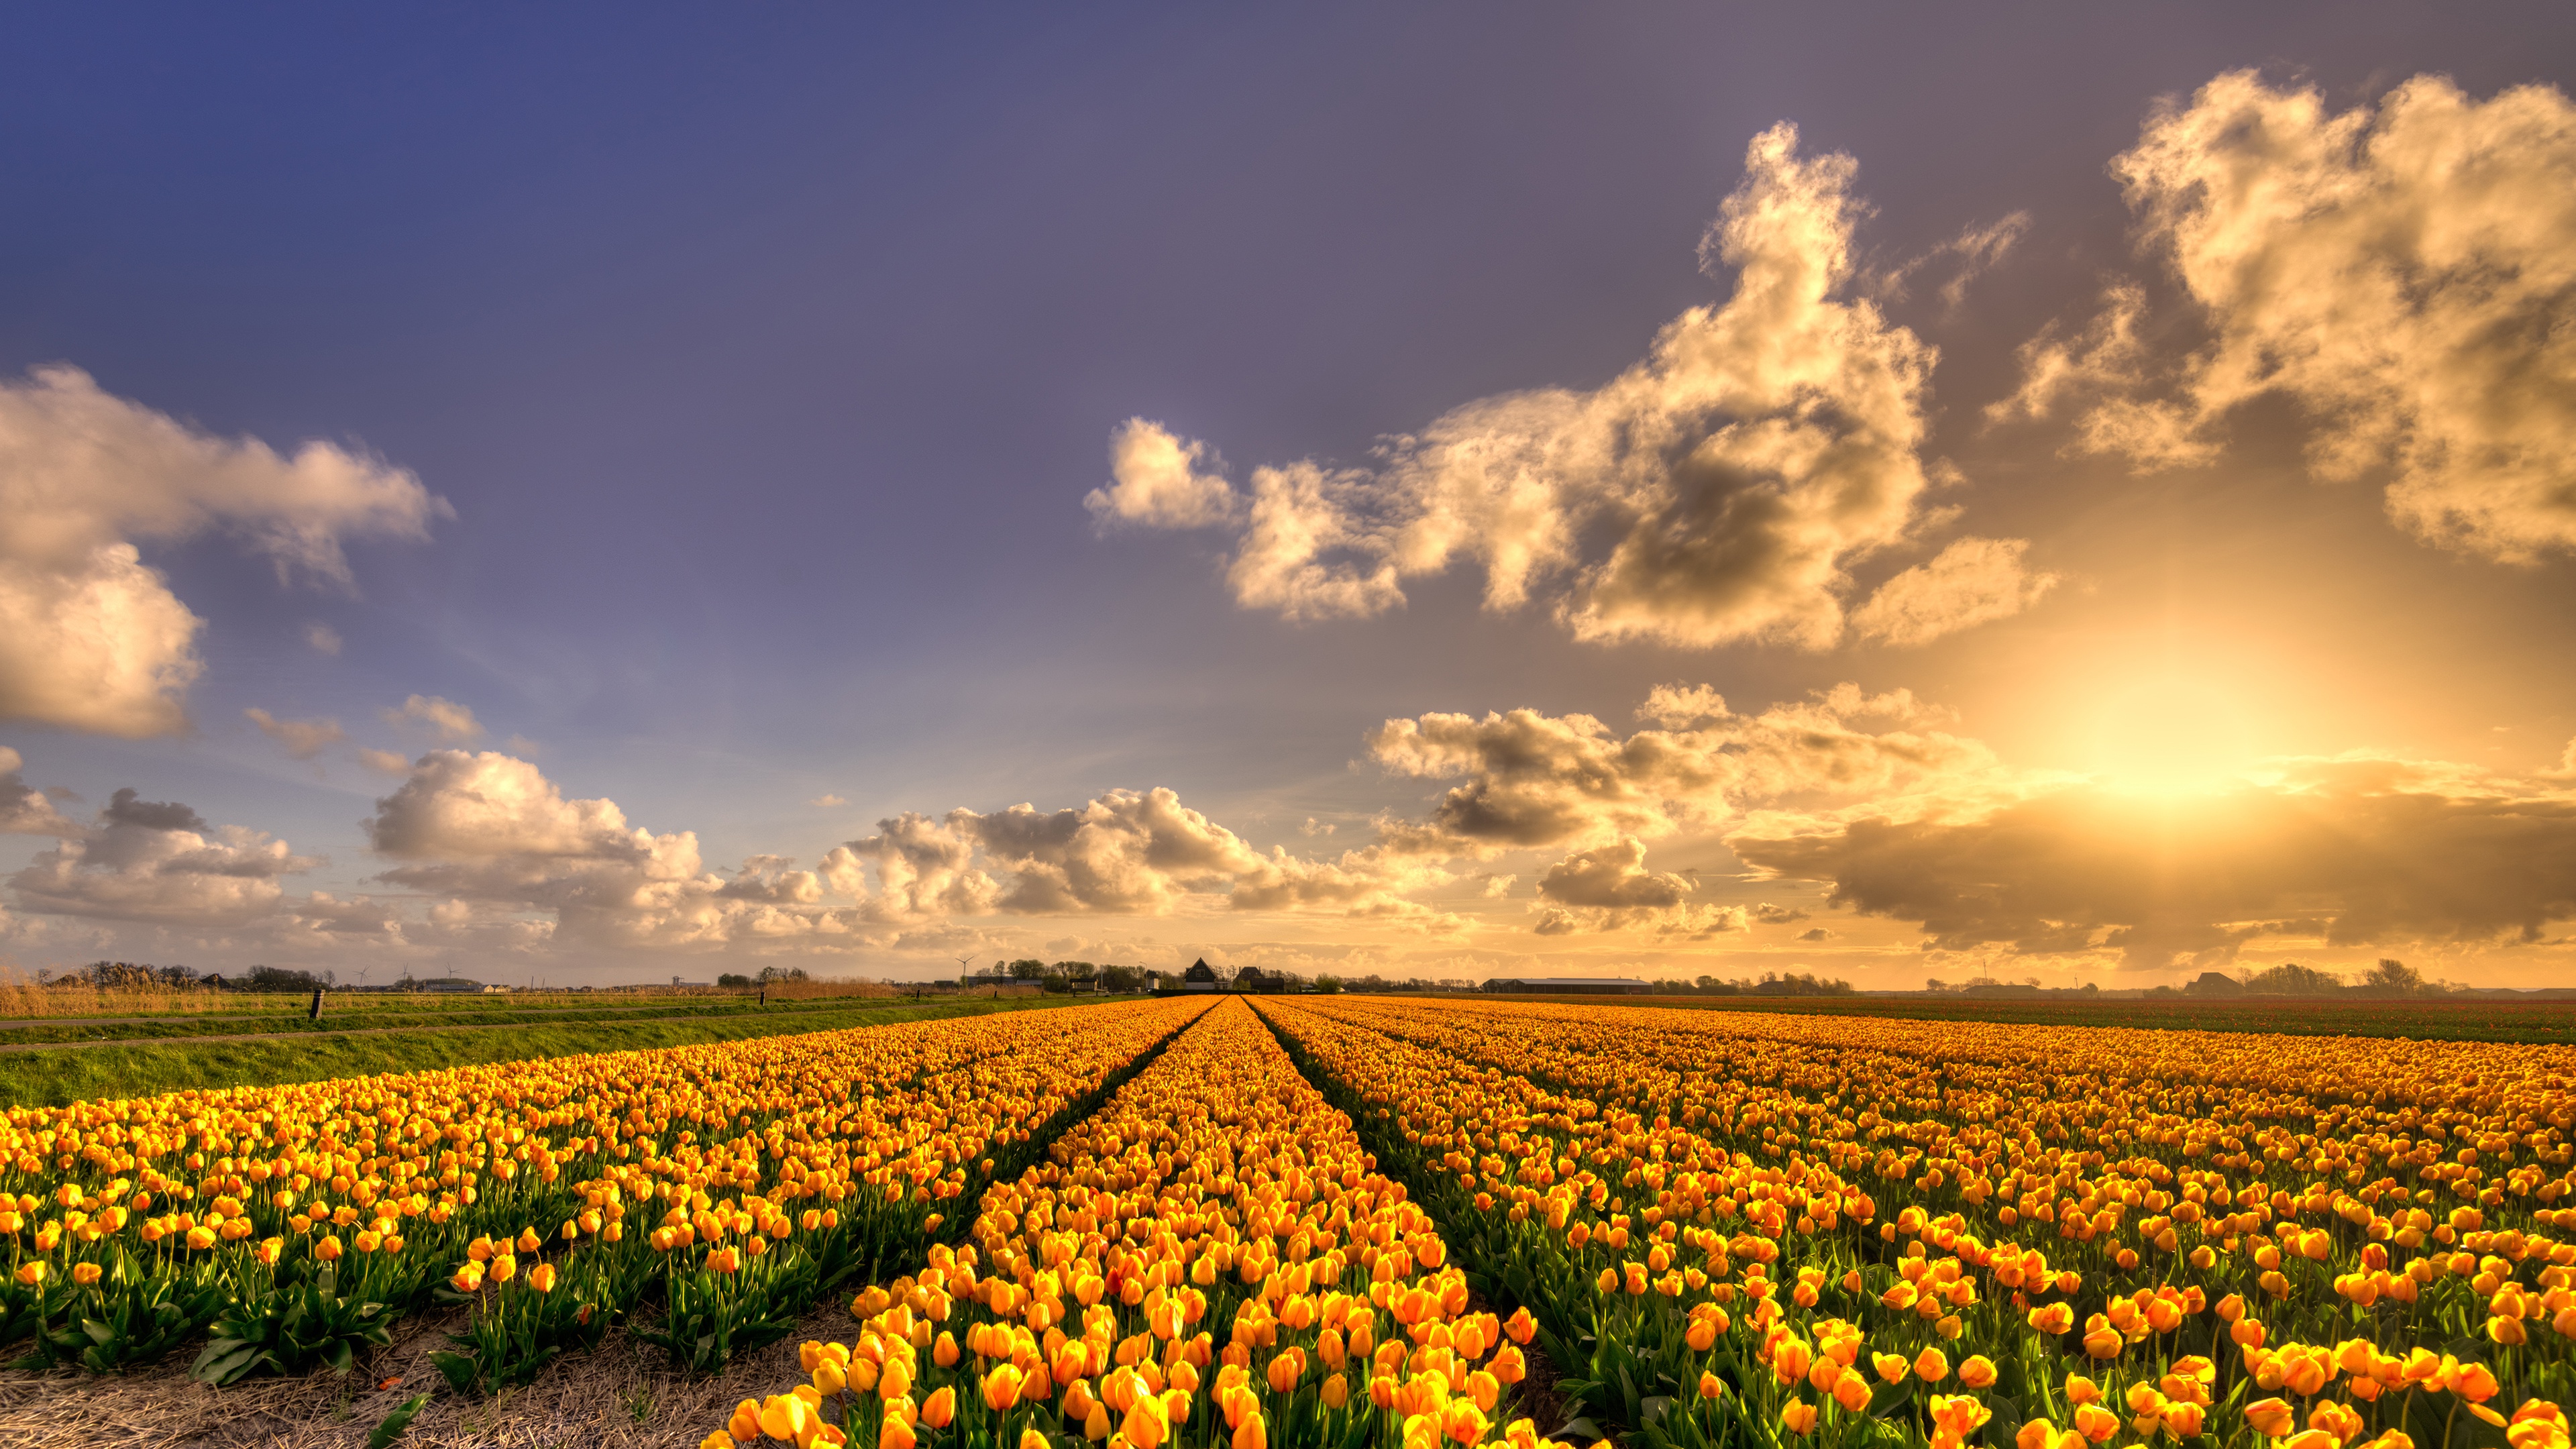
point(625, 1395)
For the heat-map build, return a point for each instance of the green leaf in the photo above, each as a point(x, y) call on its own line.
point(225, 1360)
point(392, 1426)
point(460, 1370)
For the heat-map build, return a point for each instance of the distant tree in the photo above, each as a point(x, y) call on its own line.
point(2394, 978)
point(1121, 979)
point(772, 974)
point(2291, 979)
point(1328, 985)
point(108, 975)
point(733, 978)
point(276, 978)
point(1027, 970)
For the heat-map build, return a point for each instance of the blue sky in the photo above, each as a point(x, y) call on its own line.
point(765, 360)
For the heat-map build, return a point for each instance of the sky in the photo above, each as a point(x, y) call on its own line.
point(613, 494)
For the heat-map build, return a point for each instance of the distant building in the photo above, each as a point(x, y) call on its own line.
point(1252, 978)
point(1570, 985)
point(1200, 977)
point(676, 981)
point(454, 984)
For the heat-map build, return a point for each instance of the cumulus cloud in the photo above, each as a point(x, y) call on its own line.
point(93, 639)
point(344, 922)
point(827, 801)
point(1160, 481)
point(102, 646)
point(1676, 705)
point(491, 830)
point(24, 809)
point(446, 718)
point(303, 738)
point(1973, 581)
point(158, 862)
point(2402, 272)
point(1123, 853)
point(390, 762)
point(1532, 779)
point(1611, 889)
point(2357, 850)
point(1711, 493)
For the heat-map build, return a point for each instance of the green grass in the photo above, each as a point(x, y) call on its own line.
point(266, 1004)
point(53, 1078)
point(74, 1029)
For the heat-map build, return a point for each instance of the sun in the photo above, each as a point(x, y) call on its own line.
point(2170, 734)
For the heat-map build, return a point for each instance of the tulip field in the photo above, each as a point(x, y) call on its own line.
point(1761, 1230)
point(1378, 1223)
point(281, 1230)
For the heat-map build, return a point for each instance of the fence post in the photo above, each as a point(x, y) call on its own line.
point(316, 1013)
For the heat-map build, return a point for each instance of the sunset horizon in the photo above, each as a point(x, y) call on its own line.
point(2083, 502)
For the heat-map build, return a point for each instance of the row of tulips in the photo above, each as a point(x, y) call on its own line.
point(1213, 1257)
point(1758, 1230)
point(289, 1227)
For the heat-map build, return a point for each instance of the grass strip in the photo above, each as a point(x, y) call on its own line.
point(73, 1074)
point(181, 1028)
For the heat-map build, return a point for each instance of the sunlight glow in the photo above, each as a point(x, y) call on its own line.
point(2170, 734)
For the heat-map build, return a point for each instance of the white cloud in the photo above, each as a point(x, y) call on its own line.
point(91, 638)
point(2106, 356)
point(1535, 780)
point(827, 801)
point(156, 862)
point(391, 762)
point(303, 738)
point(493, 831)
point(1973, 581)
point(2403, 273)
point(101, 646)
point(1610, 889)
point(1973, 252)
point(1160, 481)
point(1761, 446)
point(343, 922)
point(24, 809)
point(1123, 853)
point(491, 806)
point(1674, 705)
point(451, 721)
point(323, 638)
